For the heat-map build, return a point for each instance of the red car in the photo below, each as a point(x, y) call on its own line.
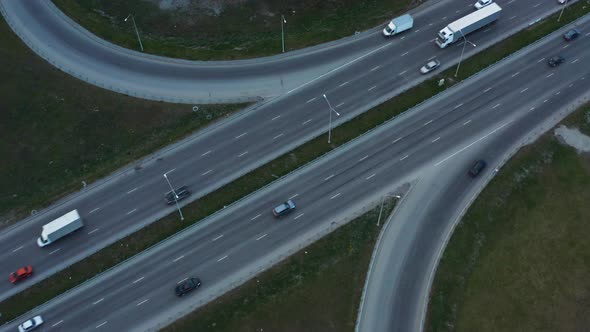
point(21, 274)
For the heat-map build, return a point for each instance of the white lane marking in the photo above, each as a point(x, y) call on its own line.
point(558, 92)
point(94, 210)
point(396, 140)
point(279, 135)
point(53, 252)
point(515, 74)
point(142, 302)
point(474, 142)
point(444, 18)
point(537, 5)
point(309, 101)
point(178, 258)
point(92, 231)
point(306, 122)
point(511, 1)
point(217, 238)
point(549, 75)
point(457, 11)
point(363, 158)
point(405, 53)
point(569, 86)
point(434, 140)
point(338, 68)
point(496, 105)
point(17, 249)
point(406, 156)
point(138, 280)
point(209, 171)
point(338, 105)
point(301, 215)
point(56, 324)
point(432, 57)
point(523, 90)
point(429, 24)
point(222, 258)
point(544, 101)
point(242, 154)
point(240, 135)
point(371, 88)
point(486, 90)
point(466, 122)
point(261, 237)
point(575, 61)
point(432, 40)
point(566, 46)
point(418, 30)
point(293, 196)
point(458, 106)
point(588, 34)
point(130, 212)
point(97, 302)
point(276, 117)
point(486, 30)
point(427, 123)
point(255, 217)
point(338, 194)
point(531, 109)
point(375, 68)
point(101, 324)
point(132, 190)
point(206, 153)
point(370, 176)
point(403, 72)
point(541, 60)
point(402, 38)
point(181, 280)
point(329, 177)
point(343, 84)
point(513, 17)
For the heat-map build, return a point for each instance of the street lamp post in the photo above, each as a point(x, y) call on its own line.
point(330, 123)
point(562, 9)
point(136, 31)
point(175, 196)
point(283, 21)
point(463, 50)
point(382, 202)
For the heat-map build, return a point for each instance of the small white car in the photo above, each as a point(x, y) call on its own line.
point(31, 324)
point(561, 2)
point(430, 66)
point(482, 3)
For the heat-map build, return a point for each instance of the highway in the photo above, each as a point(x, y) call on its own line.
point(133, 197)
point(484, 116)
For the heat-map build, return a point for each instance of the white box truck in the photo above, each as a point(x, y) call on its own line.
point(59, 228)
point(467, 24)
point(399, 24)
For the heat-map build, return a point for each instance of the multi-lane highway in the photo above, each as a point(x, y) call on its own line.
point(495, 107)
point(133, 198)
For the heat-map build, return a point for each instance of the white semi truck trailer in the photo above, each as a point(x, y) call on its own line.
point(467, 24)
point(59, 228)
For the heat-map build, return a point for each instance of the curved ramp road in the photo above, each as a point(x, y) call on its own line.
point(495, 108)
point(133, 198)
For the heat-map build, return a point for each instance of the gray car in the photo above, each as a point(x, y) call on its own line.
point(430, 66)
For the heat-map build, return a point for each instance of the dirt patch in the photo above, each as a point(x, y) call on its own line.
point(573, 137)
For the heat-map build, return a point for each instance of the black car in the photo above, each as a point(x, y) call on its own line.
point(181, 193)
point(571, 34)
point(555, 61)
point(477, 167)
point(188, 285)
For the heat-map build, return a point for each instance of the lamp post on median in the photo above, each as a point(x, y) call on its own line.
point(175, 196)
point(461, 58)
point(562, 9)
point(330, 124)
point(283, 21)
point(136, 31)
point(382, 202)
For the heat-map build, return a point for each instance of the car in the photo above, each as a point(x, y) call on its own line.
point(571, 34)
point(31, 324)
point(555, 61)
point(283, 208)
point(477, 167)
point(21, 274)
point(186, 286)
point(181, 193)
point(430, 66)
point(561, 2)
point(482, 3)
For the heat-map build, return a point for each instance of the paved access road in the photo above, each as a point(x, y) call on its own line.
point(228, 248)
point(132, 198)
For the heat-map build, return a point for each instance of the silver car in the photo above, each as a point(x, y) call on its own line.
point(31, 324)
point(430, 66)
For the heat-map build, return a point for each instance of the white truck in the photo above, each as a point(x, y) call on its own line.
point(59, 228)
point(467, 24)
point(399, 24)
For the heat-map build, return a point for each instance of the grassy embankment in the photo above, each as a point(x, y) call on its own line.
point(125, 248)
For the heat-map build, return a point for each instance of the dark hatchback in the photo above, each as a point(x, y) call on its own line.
point(571, 34)
point(187, 286)
point(477, 167)
point(181, 193)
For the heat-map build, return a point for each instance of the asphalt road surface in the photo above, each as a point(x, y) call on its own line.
point(133, 197)
point(497, 106)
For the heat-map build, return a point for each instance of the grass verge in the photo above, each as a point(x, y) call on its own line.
point(58, 131)
point(162, 229)
point(232, 30)
point(519, 259)
point(317, 289)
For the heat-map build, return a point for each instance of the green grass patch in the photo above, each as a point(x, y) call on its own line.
point(317, 289)
point(58, 131)
point(160, 230)
point(519, 259)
